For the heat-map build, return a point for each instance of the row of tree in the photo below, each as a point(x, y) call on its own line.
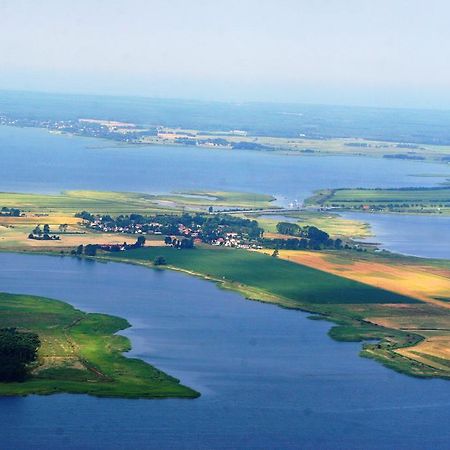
point(13, 212)
point(303, 244)
point(184, 243)
point(310, 237)
point(91, 249)
point(88, 250)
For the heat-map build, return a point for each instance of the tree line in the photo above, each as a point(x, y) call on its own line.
point(307, 237)
point(13, 212)
point(17, 351)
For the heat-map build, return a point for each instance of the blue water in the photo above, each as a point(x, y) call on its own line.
point(32, 160)
point(269, 377)
point(413, 235)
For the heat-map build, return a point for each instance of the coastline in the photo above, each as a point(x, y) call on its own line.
point(81, 353)
point(348, 328)
point(380, 343)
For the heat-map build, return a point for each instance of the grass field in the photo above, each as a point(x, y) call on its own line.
point(407, 200)
point(80, 353)
point(427, 195)
point(114, 203)
point(73, 201)
point(299, 284)
point(219, 199)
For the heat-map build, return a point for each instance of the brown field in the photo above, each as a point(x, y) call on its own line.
point(431, 320)
point(433, 351)
point(420, 281)
point(14, 234)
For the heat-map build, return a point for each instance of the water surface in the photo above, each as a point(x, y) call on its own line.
point(34, 160)
point(269, 377)
point(424, 236)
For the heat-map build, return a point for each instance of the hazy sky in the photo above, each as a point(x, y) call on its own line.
point(382, 52)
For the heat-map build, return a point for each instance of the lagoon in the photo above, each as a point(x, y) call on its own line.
point(269, 377)
point(34, 160)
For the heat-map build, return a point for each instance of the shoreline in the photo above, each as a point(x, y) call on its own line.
point(82, 353)
point(346, 328)
point(341, 321)
point(348, 151)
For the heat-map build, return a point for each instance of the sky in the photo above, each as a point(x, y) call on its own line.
point(355, 52)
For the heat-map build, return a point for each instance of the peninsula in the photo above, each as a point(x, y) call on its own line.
point(80, 353)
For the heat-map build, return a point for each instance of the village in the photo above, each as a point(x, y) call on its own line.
point(184, 231)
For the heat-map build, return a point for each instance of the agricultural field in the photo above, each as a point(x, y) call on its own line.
point(297, 284)
point(80, 353)
point(418, 200)
point(413, 277)
point(54, 210)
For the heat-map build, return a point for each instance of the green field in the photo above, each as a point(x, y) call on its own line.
point(419, 200)
point(294, 282)
point(69, 202)
point(220, 199)
point(80, 353)
point(427, 195)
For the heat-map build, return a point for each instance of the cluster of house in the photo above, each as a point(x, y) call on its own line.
point(194, 232)
point(105, 227)
point(189, 232)
point(235, 240)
